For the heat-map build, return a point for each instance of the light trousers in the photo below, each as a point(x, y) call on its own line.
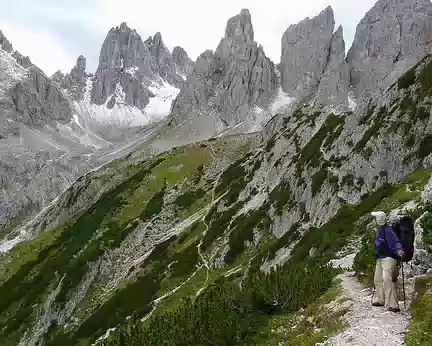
point(386, 273)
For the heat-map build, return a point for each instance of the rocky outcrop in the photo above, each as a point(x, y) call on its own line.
point(24, 61)
point(5, 44)
point(305, 53)
point(334, 83)
point(184, 63)
point(26, 93)
point(75, 81)
point(39, 101)
point(125, 60)
point(57, 77)
point(231, 81)
point(163, 61)
point(128, 67)
point(392, 37)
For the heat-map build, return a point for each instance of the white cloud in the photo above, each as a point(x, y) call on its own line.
point(43, 48)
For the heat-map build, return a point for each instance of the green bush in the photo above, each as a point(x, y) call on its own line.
point(365, 259)
point(407, 79)
point(235, 178)
point(154, 206)
point(242, 230)
point(427, 228)
point(420, 330)
point(425, 79)
point(219, 224)
point(425, 147)
point(318, 180)
point(227, 314)
point(281, 197)
point(311, 153)
point(288, 288)
point(287, 239)
point(348, 180)
point(369, 113)
point(270, 144)
point(185, 200)
point(377, 124)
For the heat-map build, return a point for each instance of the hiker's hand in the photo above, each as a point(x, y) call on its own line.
point(401, 254)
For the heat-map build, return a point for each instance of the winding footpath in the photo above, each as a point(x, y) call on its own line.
point(368, 325)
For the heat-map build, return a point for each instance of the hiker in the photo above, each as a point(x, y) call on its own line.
point(390, 250)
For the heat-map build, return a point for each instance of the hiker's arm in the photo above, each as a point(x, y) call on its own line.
point(393, 241)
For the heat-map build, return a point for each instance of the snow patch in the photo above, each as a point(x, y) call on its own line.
point(132, 70)
point(281, 101)
point(160, 105)
point(352, 104)
point(123, 115)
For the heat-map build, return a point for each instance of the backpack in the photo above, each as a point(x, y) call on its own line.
point(404, 229)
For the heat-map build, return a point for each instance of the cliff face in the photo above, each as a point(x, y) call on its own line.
point(305, 53)
point(231, 81)
point(392, 37)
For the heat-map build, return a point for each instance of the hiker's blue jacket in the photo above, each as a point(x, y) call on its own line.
point(387, 243)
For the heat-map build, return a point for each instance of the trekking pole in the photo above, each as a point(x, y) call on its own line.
point(403, 284)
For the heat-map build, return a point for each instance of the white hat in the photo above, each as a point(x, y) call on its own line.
point(380, 217)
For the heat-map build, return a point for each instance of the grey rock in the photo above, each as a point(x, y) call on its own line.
point(305, 53)
point(199, 86)
point(392, 37)
point(5, 44)
point(334, 84)
point(39, 101)
point(57, 77)
point(184, 63)
point(75, 81)
point(231, 81)
point(24, 61)
point(125, 60)
point(163, 61)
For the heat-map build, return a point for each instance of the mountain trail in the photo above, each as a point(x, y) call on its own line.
point(368, 325)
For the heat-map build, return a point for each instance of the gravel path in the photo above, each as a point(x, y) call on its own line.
point(368, 325)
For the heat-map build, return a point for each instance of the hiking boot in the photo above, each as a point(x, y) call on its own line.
point(394, 309)
point(377, 304)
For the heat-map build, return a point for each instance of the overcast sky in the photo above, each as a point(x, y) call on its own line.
point(53, 33)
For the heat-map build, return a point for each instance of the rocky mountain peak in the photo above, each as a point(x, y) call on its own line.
point(125, 61)
point(57, 77)
point(28, 95)
point(124, 28)
point(130, 69)
point(75, 81)
point(163, 61)
point(24, 61)
point(334, 84)
point(305, 52)
point(240, 27)
point(222, 85)
point(391, 38)
point(81, 63)
point(182, 60)
point(5, 44)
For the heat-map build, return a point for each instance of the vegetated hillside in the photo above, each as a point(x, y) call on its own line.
point(161, 253)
